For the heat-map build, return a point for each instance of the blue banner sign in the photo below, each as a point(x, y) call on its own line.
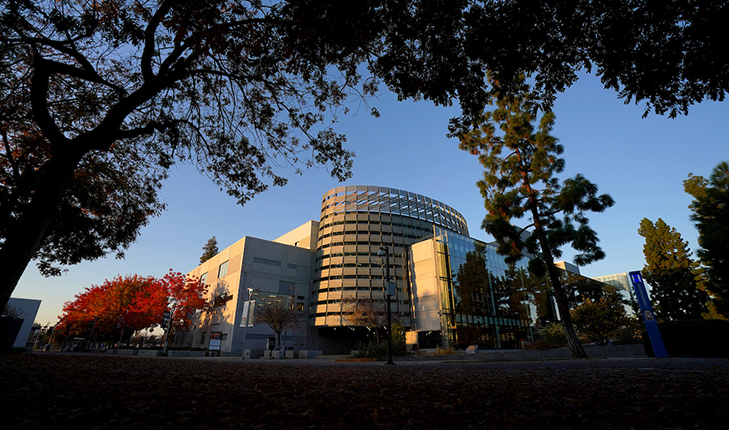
point(646, 309)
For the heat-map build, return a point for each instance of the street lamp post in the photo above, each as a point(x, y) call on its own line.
point(385, 251)
point(248, 318)
point(166, 324)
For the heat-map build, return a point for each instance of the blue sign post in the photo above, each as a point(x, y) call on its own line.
point(649, 318)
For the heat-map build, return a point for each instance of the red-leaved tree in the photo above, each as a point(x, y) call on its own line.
point(132, 303)
point(185, 296)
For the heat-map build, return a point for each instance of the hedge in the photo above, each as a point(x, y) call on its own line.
point(693, 338)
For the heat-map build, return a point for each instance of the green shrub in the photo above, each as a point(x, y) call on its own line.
point(552, 336)
point(372, 350)
point(629, 334)
point(444, 351)
point(369, 350)
point(601, 320)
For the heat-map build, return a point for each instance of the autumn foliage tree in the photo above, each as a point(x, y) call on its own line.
point(185, 295)
point(115, 305)
point(132, 303)
point(369, 313)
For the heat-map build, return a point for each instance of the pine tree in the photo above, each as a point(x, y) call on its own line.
point(671, 272)
point(519, 181)
point(210, 250)
point(710, 209)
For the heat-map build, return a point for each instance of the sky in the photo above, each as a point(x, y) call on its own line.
point(640, 162)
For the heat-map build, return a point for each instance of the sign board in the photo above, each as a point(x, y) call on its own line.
point(651, 325)
point(215, 339)
point(246, 318)
point(391, 288)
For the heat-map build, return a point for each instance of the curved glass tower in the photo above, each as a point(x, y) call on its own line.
point(355, 222)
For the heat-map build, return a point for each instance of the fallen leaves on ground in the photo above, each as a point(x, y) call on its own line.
point(109, 392)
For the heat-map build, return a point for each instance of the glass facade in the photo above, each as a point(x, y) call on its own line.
point(624, 286)
point(483, 301)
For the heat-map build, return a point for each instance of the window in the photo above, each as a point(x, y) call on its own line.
point(266, 261)
point(204, 277)
point(223, 270)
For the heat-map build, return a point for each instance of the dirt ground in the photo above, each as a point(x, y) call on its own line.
point(49, 391)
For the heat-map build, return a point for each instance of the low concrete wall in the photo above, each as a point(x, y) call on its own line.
point(592, 351)
point(547, 354)
point(289, 354)
point(308, 353)
point(253, 354)
point(147, 352)
point(122, 351)
point(176, 353)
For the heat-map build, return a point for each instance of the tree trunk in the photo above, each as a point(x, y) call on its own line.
point(27, 232)
point(564, 310)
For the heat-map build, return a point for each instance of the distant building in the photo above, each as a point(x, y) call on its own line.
point(450, 290)
point(625, 287)
point(26, 309)
point(567, 267)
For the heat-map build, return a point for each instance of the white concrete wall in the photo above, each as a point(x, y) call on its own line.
point(263, 265)
point(424, 279)
point(28, 309)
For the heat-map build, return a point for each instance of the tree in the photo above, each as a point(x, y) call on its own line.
point(599, 320)
point(210, 250)
point(369, 313)
point(520, 181)
point(710, 209)
point(579, 289)
point(105, 96)
point(132, 303)
point(278, 311)
point(100, 96)
point(129, 302)
point(12, 311)
point(671, 272)
point(184, 297)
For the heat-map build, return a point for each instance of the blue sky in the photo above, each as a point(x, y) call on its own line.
point(640, 162)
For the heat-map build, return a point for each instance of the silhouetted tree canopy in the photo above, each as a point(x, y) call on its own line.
point(710, 209)
point(99, 98)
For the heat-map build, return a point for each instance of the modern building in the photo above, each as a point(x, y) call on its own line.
point(266, 267)
point(446, 289)
point(624, 285)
